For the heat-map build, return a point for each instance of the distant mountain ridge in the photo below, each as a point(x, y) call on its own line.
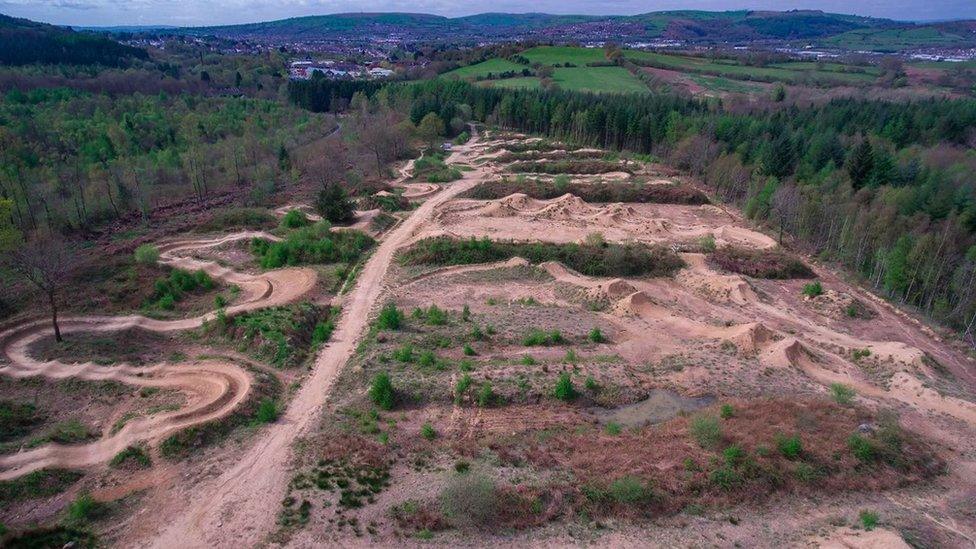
point(685, 25)
point(25, 42)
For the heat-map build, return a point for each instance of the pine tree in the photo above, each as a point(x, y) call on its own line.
point(860, 163)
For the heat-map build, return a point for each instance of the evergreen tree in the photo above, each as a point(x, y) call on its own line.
point(860, 163)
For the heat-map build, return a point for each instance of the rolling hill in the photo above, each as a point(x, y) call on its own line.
point(692, 26)
point(24, 42)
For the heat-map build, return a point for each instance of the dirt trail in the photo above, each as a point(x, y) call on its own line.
point(213, 388)
point(239, 508)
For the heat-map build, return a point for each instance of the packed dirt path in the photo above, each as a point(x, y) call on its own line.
point(238, 509)
point(213, 388)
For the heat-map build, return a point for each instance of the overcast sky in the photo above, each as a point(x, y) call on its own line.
point(213, 12)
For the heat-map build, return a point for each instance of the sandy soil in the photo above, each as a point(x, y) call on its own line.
point(234, 509)
point(212, 388)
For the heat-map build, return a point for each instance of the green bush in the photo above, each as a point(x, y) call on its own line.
point(333, 204)
point(17, 419)
point(706, 430)
point(147, 254)
point(734, 455)
point(239, 218)
point(132, 454)
point(486, 395)
point(613, 428)
point(294, 219)
point(390, 318)
point(630, 490)
point(311, 245)
point(462, 387)
point(727, 411)
point(726, 477)
point(381, 391)
point(404, 353)
point(813, 289)
point(84, 509)
point(869, 519)
point(707, 243)
point(596, 336)
point(466, 313)
point(564, 389)
point(469, 350)
point(842, 394)
point(267, 411)
point(435, 316)
point(538, 337)
point(167, 291)
point(427, 431)
point(606, 260)
point(789, 447)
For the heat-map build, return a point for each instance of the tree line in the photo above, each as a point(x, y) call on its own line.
point(883, 188)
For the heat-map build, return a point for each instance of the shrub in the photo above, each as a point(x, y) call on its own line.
point(630, 490)
point(725, 477)
point(333, 204)
point(462, 387)
point(528, 360)
point(727, 411)
point(294, 219)
point(789, 447)
point(267, 411)
point(147, 254)
point(590, 192)
point(734, 455)
point(84, 509)
point(706, 430)
point(436, 316)
point(381, 391)
point(538, 337)
point(314, 244)
point(427, 431)
point(466, 313)
point(869, 519)
point(606, 260)
point(813, 289)
point(564, 389)
point(596, 336)
point(404, 353)
point(591, 384)
point(132, 454)
point(427, 359)
point(571, 356)
point(486, 395)
point(707, 243)
point(774, 264)
point(613, 428)
point(842, 394)
point(858, 354)
point(390, 318)
point(862, 448)
point(470, 500)
point(469, 350)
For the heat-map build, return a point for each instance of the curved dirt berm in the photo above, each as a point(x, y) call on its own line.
point(213, 388)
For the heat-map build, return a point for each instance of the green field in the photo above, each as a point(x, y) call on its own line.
point(560, 55)
point(894, 39)
point(790, 73)
point(586, 79)
point(723, 85)
point(492, 66)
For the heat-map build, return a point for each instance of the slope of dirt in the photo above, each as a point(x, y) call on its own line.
point(234, 509)
point(212, 388)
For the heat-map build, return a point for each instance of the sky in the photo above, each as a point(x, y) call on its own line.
point(218, 12)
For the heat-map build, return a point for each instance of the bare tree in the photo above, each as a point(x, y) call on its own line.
point(47, 264)
point(785, 207)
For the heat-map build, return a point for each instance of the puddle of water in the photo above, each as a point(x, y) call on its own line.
point(661, 405)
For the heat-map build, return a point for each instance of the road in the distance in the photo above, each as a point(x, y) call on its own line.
point(239, 508)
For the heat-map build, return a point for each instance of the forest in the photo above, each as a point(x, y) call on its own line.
point(883, 188)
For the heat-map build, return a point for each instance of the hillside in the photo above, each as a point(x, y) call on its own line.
point(692, 26)
point(23, 42)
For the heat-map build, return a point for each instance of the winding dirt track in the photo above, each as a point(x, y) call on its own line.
point(213, 388)
point(239, 508)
